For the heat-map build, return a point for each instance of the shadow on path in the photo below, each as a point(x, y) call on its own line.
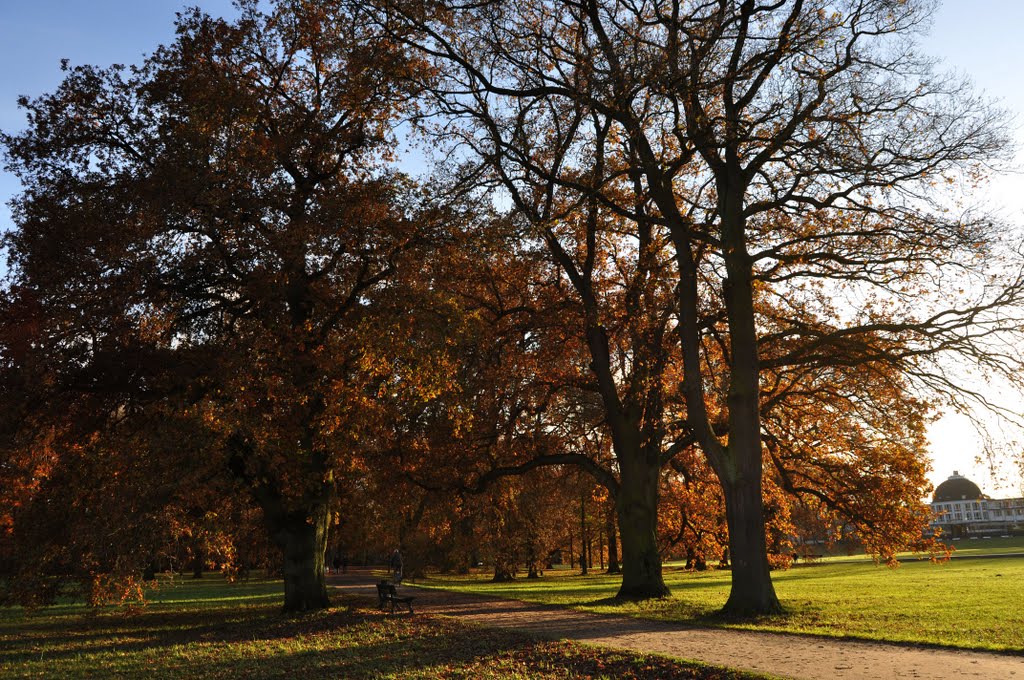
point(794, 656)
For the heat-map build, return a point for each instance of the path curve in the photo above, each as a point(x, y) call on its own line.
point(793, 656)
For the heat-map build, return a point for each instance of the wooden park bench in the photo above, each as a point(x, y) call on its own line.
point(387, 595)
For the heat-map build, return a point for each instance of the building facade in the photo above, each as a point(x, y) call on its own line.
point(961, 510)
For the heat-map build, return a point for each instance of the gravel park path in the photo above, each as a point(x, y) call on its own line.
point(790, 656)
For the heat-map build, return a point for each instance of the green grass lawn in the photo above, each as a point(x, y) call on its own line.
point(987, 546)
point(209, 629)
point(975, 604)
point(962, 547)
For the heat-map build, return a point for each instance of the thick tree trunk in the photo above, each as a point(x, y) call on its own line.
point(532, 559)
point(298, 529)
point(503, 574)
point(637, 505)
point(752, 591)
point(639, 474)
point(695, 560)
point(740, 470)
point(198, 562)
point(302, 540)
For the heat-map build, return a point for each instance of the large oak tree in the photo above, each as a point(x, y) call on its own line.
point(214, 234)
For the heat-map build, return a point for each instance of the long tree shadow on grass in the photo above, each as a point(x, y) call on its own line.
point(260, 642)
point(73, 634)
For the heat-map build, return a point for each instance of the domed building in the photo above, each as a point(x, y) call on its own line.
point(962, 510)
point(957, 488)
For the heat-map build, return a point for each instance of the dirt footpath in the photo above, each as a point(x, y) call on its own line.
point(791, 656)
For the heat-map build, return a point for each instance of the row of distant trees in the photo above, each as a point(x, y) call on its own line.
point(709, 254)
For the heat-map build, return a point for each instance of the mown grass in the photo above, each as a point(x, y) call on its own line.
point(973, 604)
point(210, 629)
point(998, 545)
point(962, 547)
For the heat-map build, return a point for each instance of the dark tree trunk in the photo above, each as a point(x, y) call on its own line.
point(302, 539)
point(695, 560)
point(197, 562)
point(532, 559)
point(752, 591)
point(613, 548)
point(637, 505)
point(636, 498)
point(503, 575)
point(298, 529)
point(740, 469)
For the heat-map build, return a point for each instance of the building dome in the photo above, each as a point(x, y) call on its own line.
point(957, 488)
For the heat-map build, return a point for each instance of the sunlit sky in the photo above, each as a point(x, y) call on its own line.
point(980, 38)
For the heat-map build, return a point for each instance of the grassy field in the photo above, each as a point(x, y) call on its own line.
point(976, 604)
point(962, 547)
point(209, 629)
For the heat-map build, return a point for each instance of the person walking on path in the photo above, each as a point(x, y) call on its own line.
point(396, 567)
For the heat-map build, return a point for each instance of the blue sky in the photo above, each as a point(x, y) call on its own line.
point(979, 38)
point(36, 34)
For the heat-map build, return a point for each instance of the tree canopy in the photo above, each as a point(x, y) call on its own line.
point(706, 252)
point(216, 234)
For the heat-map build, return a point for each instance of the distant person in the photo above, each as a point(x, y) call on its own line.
point(396, 567)
point(344, 563)
point(337, 564)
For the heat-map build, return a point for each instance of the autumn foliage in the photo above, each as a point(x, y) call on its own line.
point(677, 268)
